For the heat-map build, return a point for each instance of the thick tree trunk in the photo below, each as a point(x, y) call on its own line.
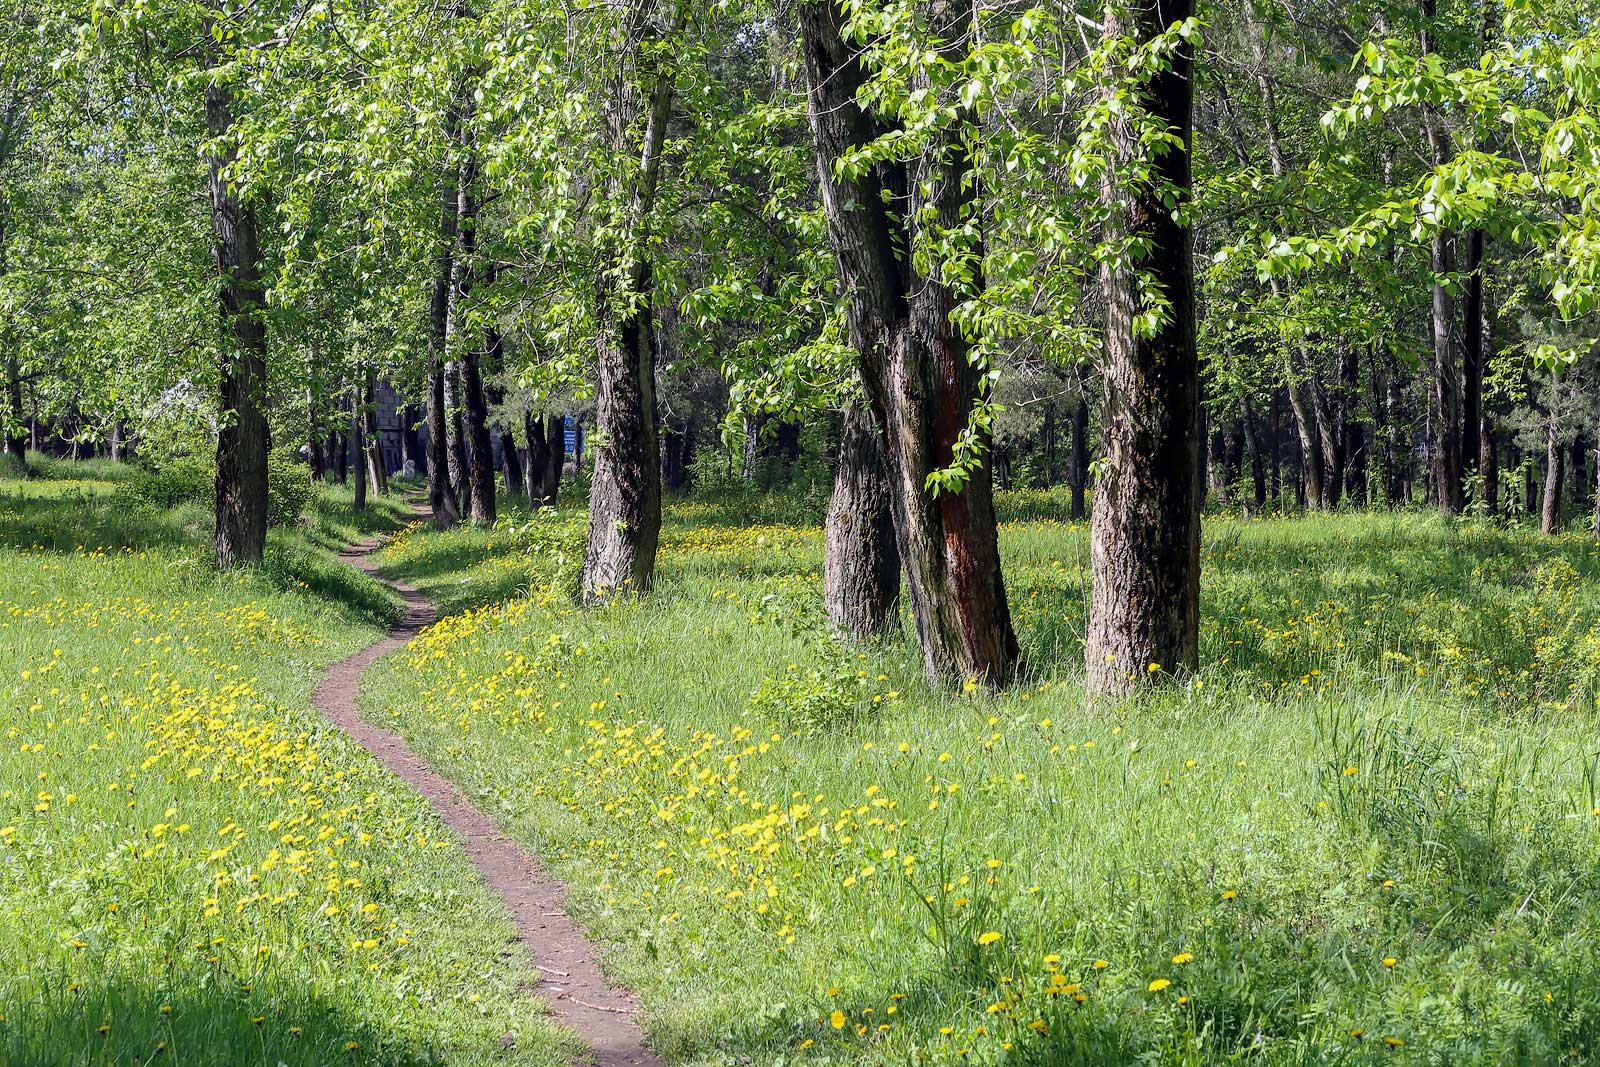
point(1145, 599)
point(538, 459)
point(625, 491)
point(241, 482)
point(459, 460)
point(481, 465)
point(555, 432)
point(625, 495)
point(377, 473)
point(861, 563)
point(1079, 470)
point(914, 362)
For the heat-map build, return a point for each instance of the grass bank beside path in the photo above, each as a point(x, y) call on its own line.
point(194, 867)
point(1367, 832)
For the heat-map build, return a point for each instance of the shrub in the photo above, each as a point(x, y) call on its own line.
point(288, 489)
point(185, 480)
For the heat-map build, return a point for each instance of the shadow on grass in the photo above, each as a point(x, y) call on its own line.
point(210, 1018)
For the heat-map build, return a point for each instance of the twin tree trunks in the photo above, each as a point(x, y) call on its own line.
point(921, 387)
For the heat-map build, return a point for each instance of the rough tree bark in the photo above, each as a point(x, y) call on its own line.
point(625, 490)
point(1145, 550)
point(914, 363)
point(241, 483)
point(860, 563)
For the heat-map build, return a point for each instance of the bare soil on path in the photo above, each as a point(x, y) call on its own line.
point(579, 996)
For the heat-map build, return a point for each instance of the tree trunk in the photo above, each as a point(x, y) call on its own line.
point(442, 499)
point(1252, 445)
point(538, 459)
point(476, 443)
point(357, 446)
point(1554, 461)
point(16, 421)
point(1048, 434)
point(516, 488)
point(1473, 354)
point(625, 491)
point(1312, 460)
point(1079, 472)
point(1214, 463)
point(861, 564)
point(1275, 450)
point(1447, 435)
point(555, 432)
point(241, 482)
point(1353, 446)
point(914, 362)
point(377, 473)
point(340, 461)
point(1332, 447)
point(1145, 599)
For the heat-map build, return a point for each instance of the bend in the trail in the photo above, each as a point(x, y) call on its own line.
point(603, 1015)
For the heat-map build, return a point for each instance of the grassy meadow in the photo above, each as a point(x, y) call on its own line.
point(194, 869)
point(1366, 832)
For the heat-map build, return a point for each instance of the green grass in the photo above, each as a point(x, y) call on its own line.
point(1367, 831)
point(194, 867)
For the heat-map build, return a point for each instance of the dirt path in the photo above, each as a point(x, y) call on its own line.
point(571, 982)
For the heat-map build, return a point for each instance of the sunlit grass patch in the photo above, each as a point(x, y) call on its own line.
point(195, 867)
point(1362, 833)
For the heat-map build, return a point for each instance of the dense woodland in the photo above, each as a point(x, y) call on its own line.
point(1258, 256)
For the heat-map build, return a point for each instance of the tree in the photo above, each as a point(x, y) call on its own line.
point(1144, 609)
point(241, 533)
point(923, 388)
point(625, 493)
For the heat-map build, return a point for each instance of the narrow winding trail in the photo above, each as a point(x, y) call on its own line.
point(578, 995)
